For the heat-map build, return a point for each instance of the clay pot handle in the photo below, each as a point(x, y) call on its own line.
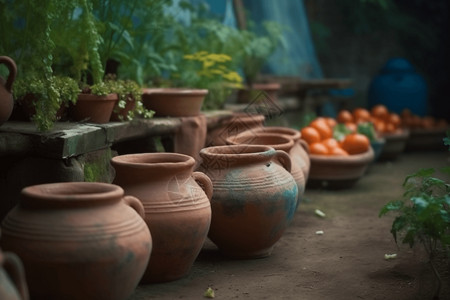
point(284, 159)
point(11, 65)
point(13, 266)
point(304, 144)
point(204, 182)
point(135, 204)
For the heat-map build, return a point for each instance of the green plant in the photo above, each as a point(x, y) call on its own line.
point(423, 214)
point(128, 90)
point(257, 48)
point(47, 96)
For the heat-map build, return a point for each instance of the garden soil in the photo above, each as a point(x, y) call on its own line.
point(346, 262)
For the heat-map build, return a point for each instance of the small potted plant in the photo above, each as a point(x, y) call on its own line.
point(423, 216)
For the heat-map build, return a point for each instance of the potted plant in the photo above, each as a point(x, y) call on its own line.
point(27, 34)
point(256, 50)
point(423, 215)
point(42, 106)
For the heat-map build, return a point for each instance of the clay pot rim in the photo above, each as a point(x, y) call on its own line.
point(290, 132)
point(175, 91)
point(243, 151)
point(93, 97)
point(250, 138)
point(71, 192)
point(354, 159)
point(145, 160)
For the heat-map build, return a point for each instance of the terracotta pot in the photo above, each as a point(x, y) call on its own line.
point(78, 240)
point(254, 198)
point(93, 108)
point(338, 172)
point(13, 285)
point(278, 142)
point(237, 123)
point(121, 114)
point(177, 208)
point(174, 102)
point(300, 152)
point(269, 89)
point(6, 97)
point(27, 104)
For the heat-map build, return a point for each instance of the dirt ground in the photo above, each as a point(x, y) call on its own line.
point(346, 262)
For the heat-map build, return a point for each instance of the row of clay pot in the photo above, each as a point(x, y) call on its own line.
point(87, 240)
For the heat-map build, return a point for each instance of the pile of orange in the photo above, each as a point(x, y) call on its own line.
point(383, 120)
point(319, 136)
point(413, 121)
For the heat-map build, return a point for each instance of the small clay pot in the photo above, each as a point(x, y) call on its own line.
point(247, 95)
point(6, 97)
point(93, 108)
point(177, 208)
point(254, 198)
point(78, 240)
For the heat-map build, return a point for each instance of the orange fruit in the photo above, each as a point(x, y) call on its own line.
point(380, 111)
point(338, 152)
point(389, 128)
point(344, 116)
point(379, 125)
point(322, 127)
point(318, 148)
point(310, 135)
point(330, 143)
point(395, 120)
point(355, 143)
point(330, 121)
point(361, 115)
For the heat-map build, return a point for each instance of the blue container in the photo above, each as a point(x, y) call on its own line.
point(399, 86)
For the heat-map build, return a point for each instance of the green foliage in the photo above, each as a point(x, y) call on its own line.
point(128, 90)
point(257, 48)
point(423, 214)
point(97, 168)
point(49, 96)
point(368, 130)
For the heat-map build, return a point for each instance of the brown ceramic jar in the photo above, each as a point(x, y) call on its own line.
point(177, 208)
point(78, 240)
point(254, 198)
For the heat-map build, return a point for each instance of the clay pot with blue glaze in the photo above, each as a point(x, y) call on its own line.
point(254, 198)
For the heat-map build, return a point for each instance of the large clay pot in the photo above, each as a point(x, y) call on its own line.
point(6, 97)
point(278, 142)
point(177, 208)
point(78, 240)
point(13, 285)
point(237, 123)
point(93, 108)
point(299, 152)
point(254, 198)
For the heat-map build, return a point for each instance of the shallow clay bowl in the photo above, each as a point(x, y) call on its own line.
point(422, 139)
point(338, 172)
point(394, 145)
point(174, 102)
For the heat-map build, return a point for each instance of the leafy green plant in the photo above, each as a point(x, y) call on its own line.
point(257, 48)
point(128, 91)
point(423, 214)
